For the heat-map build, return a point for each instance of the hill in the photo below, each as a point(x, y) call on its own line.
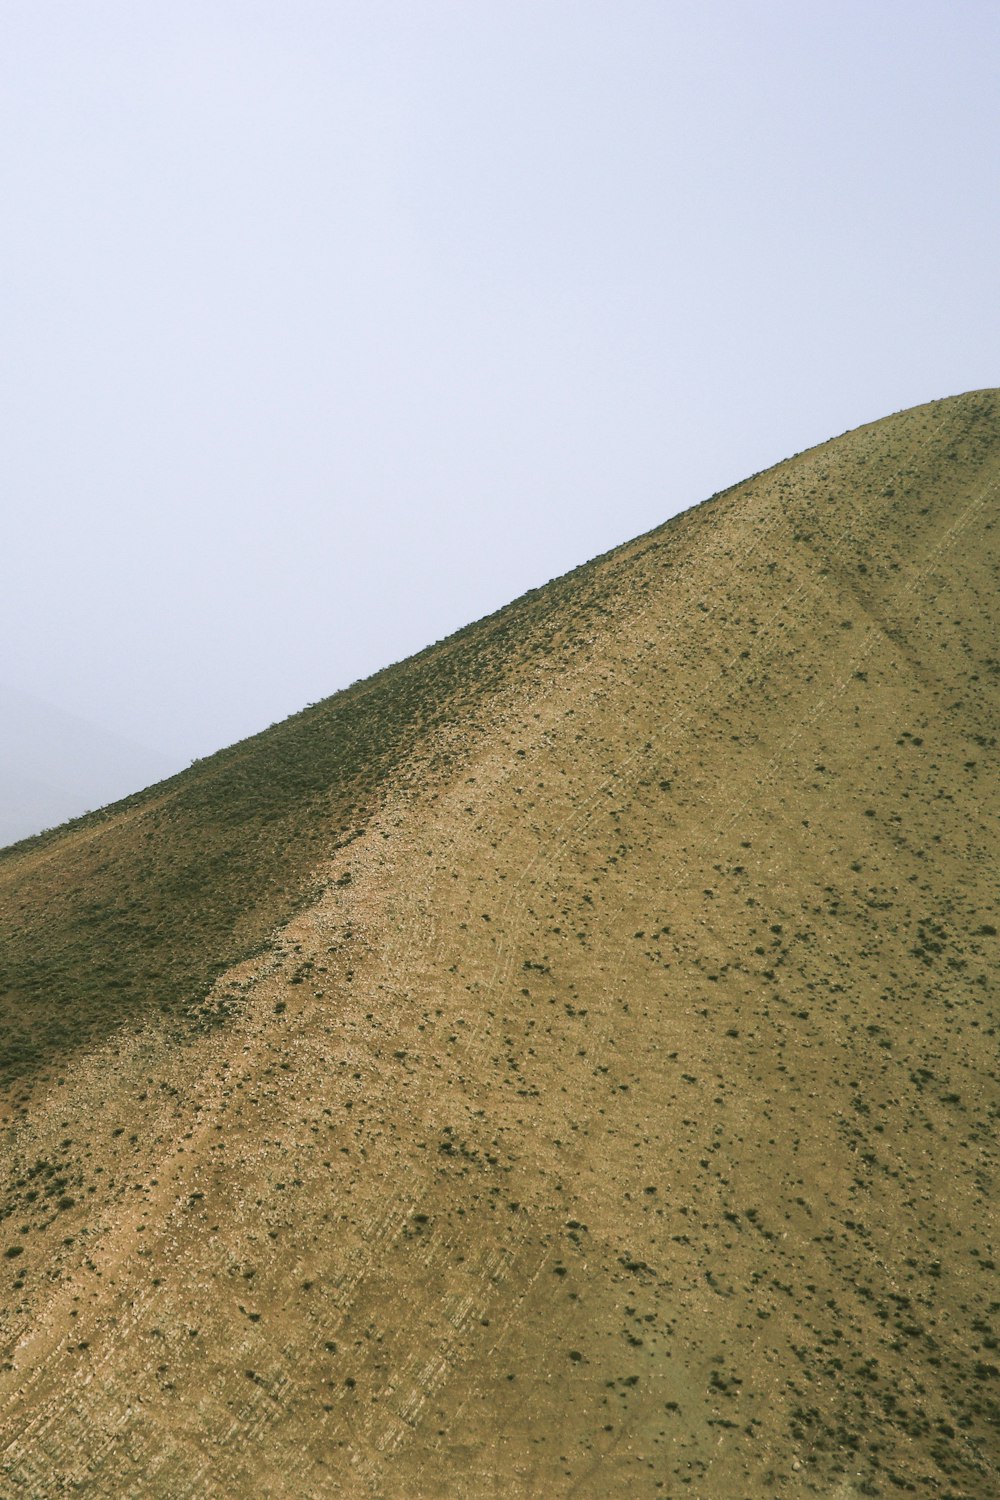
point(563, 1064)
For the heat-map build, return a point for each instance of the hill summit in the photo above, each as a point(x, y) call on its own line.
point(561, 1065)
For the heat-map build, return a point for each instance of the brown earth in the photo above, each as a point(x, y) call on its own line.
point(583, 1086)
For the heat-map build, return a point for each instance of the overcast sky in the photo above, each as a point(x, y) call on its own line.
point(328, 327)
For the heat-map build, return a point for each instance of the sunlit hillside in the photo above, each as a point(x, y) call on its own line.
point(564, 1064)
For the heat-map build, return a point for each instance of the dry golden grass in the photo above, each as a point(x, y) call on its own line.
point(605, 1104)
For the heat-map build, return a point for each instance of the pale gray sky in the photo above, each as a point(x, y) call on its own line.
point(328, 327)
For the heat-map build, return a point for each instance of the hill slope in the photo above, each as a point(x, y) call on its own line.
point(564, 1064)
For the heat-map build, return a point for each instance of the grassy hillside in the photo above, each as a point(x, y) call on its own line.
point(562, 1065)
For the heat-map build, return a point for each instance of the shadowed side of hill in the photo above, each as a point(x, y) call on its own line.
point(616, 1113)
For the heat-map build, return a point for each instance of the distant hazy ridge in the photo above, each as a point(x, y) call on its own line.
point(55, 765)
